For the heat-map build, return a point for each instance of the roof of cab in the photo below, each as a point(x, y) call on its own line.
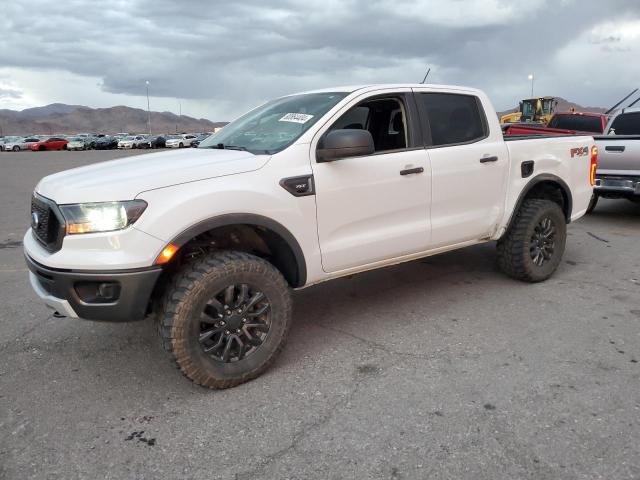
point(391, 86)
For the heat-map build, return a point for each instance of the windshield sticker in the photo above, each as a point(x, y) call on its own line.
point(296, 118)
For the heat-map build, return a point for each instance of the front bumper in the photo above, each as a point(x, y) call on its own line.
point(617, 185)
point(74, 293)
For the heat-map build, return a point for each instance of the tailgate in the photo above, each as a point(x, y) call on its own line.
point(618, 155)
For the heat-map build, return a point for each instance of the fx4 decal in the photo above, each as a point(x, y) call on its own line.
point(579, 151)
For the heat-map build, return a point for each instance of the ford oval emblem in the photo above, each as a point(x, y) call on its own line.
point(35, 220)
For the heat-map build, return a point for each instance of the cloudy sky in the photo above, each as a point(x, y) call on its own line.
point(220, 58)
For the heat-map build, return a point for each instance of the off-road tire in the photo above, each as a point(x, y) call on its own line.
point(593, 202)
point(185, 298)
point(514, 248)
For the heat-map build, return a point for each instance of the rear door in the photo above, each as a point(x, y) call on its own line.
point(375, 207)
point(469, 167)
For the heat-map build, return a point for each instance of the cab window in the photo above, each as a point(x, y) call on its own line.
point(384, 118)
point(626, 124)
point(453, 118)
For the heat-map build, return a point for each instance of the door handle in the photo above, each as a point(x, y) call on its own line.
point(410, 171)
point(488, 159)
point(615, 148)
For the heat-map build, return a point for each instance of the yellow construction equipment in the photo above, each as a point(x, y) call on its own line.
point(532, 110)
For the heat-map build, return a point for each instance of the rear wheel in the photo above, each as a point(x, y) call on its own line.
point(225, 318)
point(532, 248)
point(593, 202)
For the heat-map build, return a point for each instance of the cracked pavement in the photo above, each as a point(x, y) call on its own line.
point(440, 368)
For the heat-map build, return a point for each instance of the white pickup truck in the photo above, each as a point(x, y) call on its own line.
point(303, 189)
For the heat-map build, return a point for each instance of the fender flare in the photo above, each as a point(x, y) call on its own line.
point(249, 219)
point(544, 177)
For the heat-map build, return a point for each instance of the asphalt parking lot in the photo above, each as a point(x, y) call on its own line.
point(441, 368)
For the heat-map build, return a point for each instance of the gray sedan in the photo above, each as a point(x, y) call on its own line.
point(19, 144)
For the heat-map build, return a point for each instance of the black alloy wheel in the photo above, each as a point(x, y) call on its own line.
point(235, 323)
point(542, 241)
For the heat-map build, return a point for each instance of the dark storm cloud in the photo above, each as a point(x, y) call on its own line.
point(243, 52)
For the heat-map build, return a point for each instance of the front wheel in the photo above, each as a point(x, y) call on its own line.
point(532, 248)
point(225, 318)
point(16, 148)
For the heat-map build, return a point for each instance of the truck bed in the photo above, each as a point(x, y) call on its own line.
point(537, 136)
point(552, 154)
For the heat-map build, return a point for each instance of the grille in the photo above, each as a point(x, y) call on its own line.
point(45, 223)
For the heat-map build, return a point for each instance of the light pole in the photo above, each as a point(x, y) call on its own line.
point(148, 108)
point(179, 114)
point(531, 78)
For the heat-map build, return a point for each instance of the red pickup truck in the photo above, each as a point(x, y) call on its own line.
point(563, 123)
point(53, 143)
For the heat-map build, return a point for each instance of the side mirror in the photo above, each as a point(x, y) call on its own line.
point(344, 143)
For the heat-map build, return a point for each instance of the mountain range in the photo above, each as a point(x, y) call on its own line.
point(59, 118)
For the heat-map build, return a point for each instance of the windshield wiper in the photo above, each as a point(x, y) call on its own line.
point(222, 146)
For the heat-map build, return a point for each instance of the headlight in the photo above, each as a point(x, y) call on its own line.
point(101, 217)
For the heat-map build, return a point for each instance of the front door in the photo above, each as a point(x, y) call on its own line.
point(375, 207)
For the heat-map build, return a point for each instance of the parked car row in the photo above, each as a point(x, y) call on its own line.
point(87, 141)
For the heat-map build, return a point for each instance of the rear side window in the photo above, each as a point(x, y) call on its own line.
point(453, 118)
point(626, 124)
point(581, 123)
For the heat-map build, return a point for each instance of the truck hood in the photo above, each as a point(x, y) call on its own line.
point(125, 178)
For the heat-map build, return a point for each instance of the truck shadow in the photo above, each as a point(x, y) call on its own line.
point(615, 209)
point(399, 293)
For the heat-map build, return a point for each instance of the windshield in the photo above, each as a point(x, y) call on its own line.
point(527, 108)
point(275, 125)
point(581, 123)
point(626, 124)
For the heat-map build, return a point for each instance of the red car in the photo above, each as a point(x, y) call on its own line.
point(562, 123)
point(53, 143)
point(582, 122)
